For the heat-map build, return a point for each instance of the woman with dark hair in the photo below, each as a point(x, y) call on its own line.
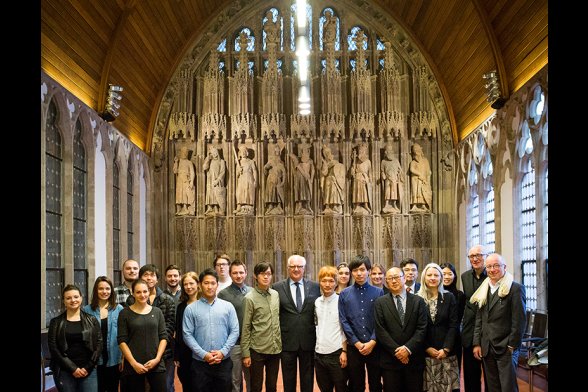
point(450, 284)
point(182, 353)
point(343, 277)
point(142, 338)
point(103, 306)
point(75, 343)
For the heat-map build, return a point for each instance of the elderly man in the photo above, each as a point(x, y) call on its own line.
point(500, 325)
point(297, 298)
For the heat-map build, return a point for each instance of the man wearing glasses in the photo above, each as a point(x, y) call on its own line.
point(297, 297)
point(221, 266)
point(500, 325)
point(470, 281)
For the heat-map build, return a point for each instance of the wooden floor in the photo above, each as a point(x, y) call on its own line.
point(540, 384)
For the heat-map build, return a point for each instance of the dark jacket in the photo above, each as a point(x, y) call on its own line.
point(57, 342)
point(470, 284)
point(442, 332)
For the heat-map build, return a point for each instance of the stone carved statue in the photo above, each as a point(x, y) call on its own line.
point(246, 183)
point(272, 29)
point(185, 175)
point(275, 172)
point(216, 191)
point(303, 177)
point(332, 183)
point(329, 27)
point(420, 181)
point(392, 181)
point(361, 172)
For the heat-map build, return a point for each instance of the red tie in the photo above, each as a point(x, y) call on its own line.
point(408, 289)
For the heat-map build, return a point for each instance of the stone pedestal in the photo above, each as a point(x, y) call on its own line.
point(332, 239)
point(215, 234)
point(363, 234)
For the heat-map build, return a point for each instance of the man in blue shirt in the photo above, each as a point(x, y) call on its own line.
point(356, 313)
point(211, 329)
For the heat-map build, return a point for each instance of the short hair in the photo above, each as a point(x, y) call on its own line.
point(94, 303)
point(127, 260)
point(328, 271)
point(208, 271)
point(408, 260)
point(262, 266)
point(171, 267)
point(220, 256)
point(236, 263)
point(70, 287)
point(295, 256)
point(149, 268)
point(358, 260)
point(190, 274)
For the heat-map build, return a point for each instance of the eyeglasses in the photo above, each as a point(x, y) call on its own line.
point(494, 266)
point(476, 256)
point(397, 277)
point(296, 266)
point(266, 274)
point(222, 264)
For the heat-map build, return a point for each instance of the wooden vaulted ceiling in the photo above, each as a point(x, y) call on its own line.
point(87, 44)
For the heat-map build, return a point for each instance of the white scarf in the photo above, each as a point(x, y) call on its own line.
point(480, 295)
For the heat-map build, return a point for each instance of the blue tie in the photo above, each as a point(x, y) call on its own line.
point(298, 297)
point(400, 308)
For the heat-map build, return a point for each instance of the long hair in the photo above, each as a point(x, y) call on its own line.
point(94, 303)
point(190, 274)
point(452, 288)
point(424, 291)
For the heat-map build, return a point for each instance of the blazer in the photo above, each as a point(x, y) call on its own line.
point(298, 329)
point(470, 284)
point(390, 334)
point(442, 333)
point(114, 353)
point(501, 321)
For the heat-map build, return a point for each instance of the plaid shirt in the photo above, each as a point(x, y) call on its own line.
point(122, 293)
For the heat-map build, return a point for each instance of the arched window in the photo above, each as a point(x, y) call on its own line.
point(475, 221)
point(489, 227)
point(280, 21)
point(55, 274)
point(115, 225)
point(130, 208)
point(308, 26)
point(528, 236)
point(80, 212)
point(250, 42)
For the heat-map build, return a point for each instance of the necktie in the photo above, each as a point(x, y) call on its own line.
point(298, 297)
point(400, 308)
point(408, 289)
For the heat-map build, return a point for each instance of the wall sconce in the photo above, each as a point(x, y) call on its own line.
point(493, 92)
point(112, 103)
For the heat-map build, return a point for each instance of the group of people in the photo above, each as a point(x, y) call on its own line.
point(221, 334)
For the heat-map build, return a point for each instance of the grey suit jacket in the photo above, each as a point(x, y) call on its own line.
point(298, 329)
point(501, 321)
point(390, 334)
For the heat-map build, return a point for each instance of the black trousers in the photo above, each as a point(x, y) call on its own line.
point(206, 377)
point(329, 373)
point(304, 360)
point(271, 363)
point(472, 371)
point(405, 379)
point(108, 378)
point(357, 363)
point(500, 371)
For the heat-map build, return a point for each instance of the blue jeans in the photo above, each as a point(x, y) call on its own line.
point(170, 371)
point(66, 382)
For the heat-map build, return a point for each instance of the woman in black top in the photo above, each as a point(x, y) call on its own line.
point(450, 284)
point(182, 353)
point(75, 343)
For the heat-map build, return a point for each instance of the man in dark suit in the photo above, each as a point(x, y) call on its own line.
point(297, 297)
point(470, 281)
point(500, 325)
point(401, 326)
point(410, 268)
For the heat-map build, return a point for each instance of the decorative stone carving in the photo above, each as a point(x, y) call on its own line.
point(303, 178)
point(361, 172)
point(216, 234)
point(216, 192)
point(275, 172)
point(419, 170)
point(246, 183)
point(363, 233)
point(185, 175)
point(332, 183)
point(392, 181)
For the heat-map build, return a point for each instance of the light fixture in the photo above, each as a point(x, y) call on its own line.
point(493, 92)
point(112, 103)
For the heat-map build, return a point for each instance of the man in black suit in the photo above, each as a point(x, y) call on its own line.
point(401, 326)
point(297, 296)
point(500, 325)
point(470, 281)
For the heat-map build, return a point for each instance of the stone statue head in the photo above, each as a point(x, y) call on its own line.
point(213, 151)
point(362, 151)
point(327, 153)
point(389, 150)
point(416, 150)
point(243, 152)
point(184, 153)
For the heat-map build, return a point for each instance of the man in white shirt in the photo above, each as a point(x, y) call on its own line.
point(331, 344)
point(221, 266)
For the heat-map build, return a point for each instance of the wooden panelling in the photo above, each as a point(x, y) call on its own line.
point(76, 36)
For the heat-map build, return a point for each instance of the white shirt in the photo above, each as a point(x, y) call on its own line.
point(293, 290)
point(329, 334)
point(222, 285)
